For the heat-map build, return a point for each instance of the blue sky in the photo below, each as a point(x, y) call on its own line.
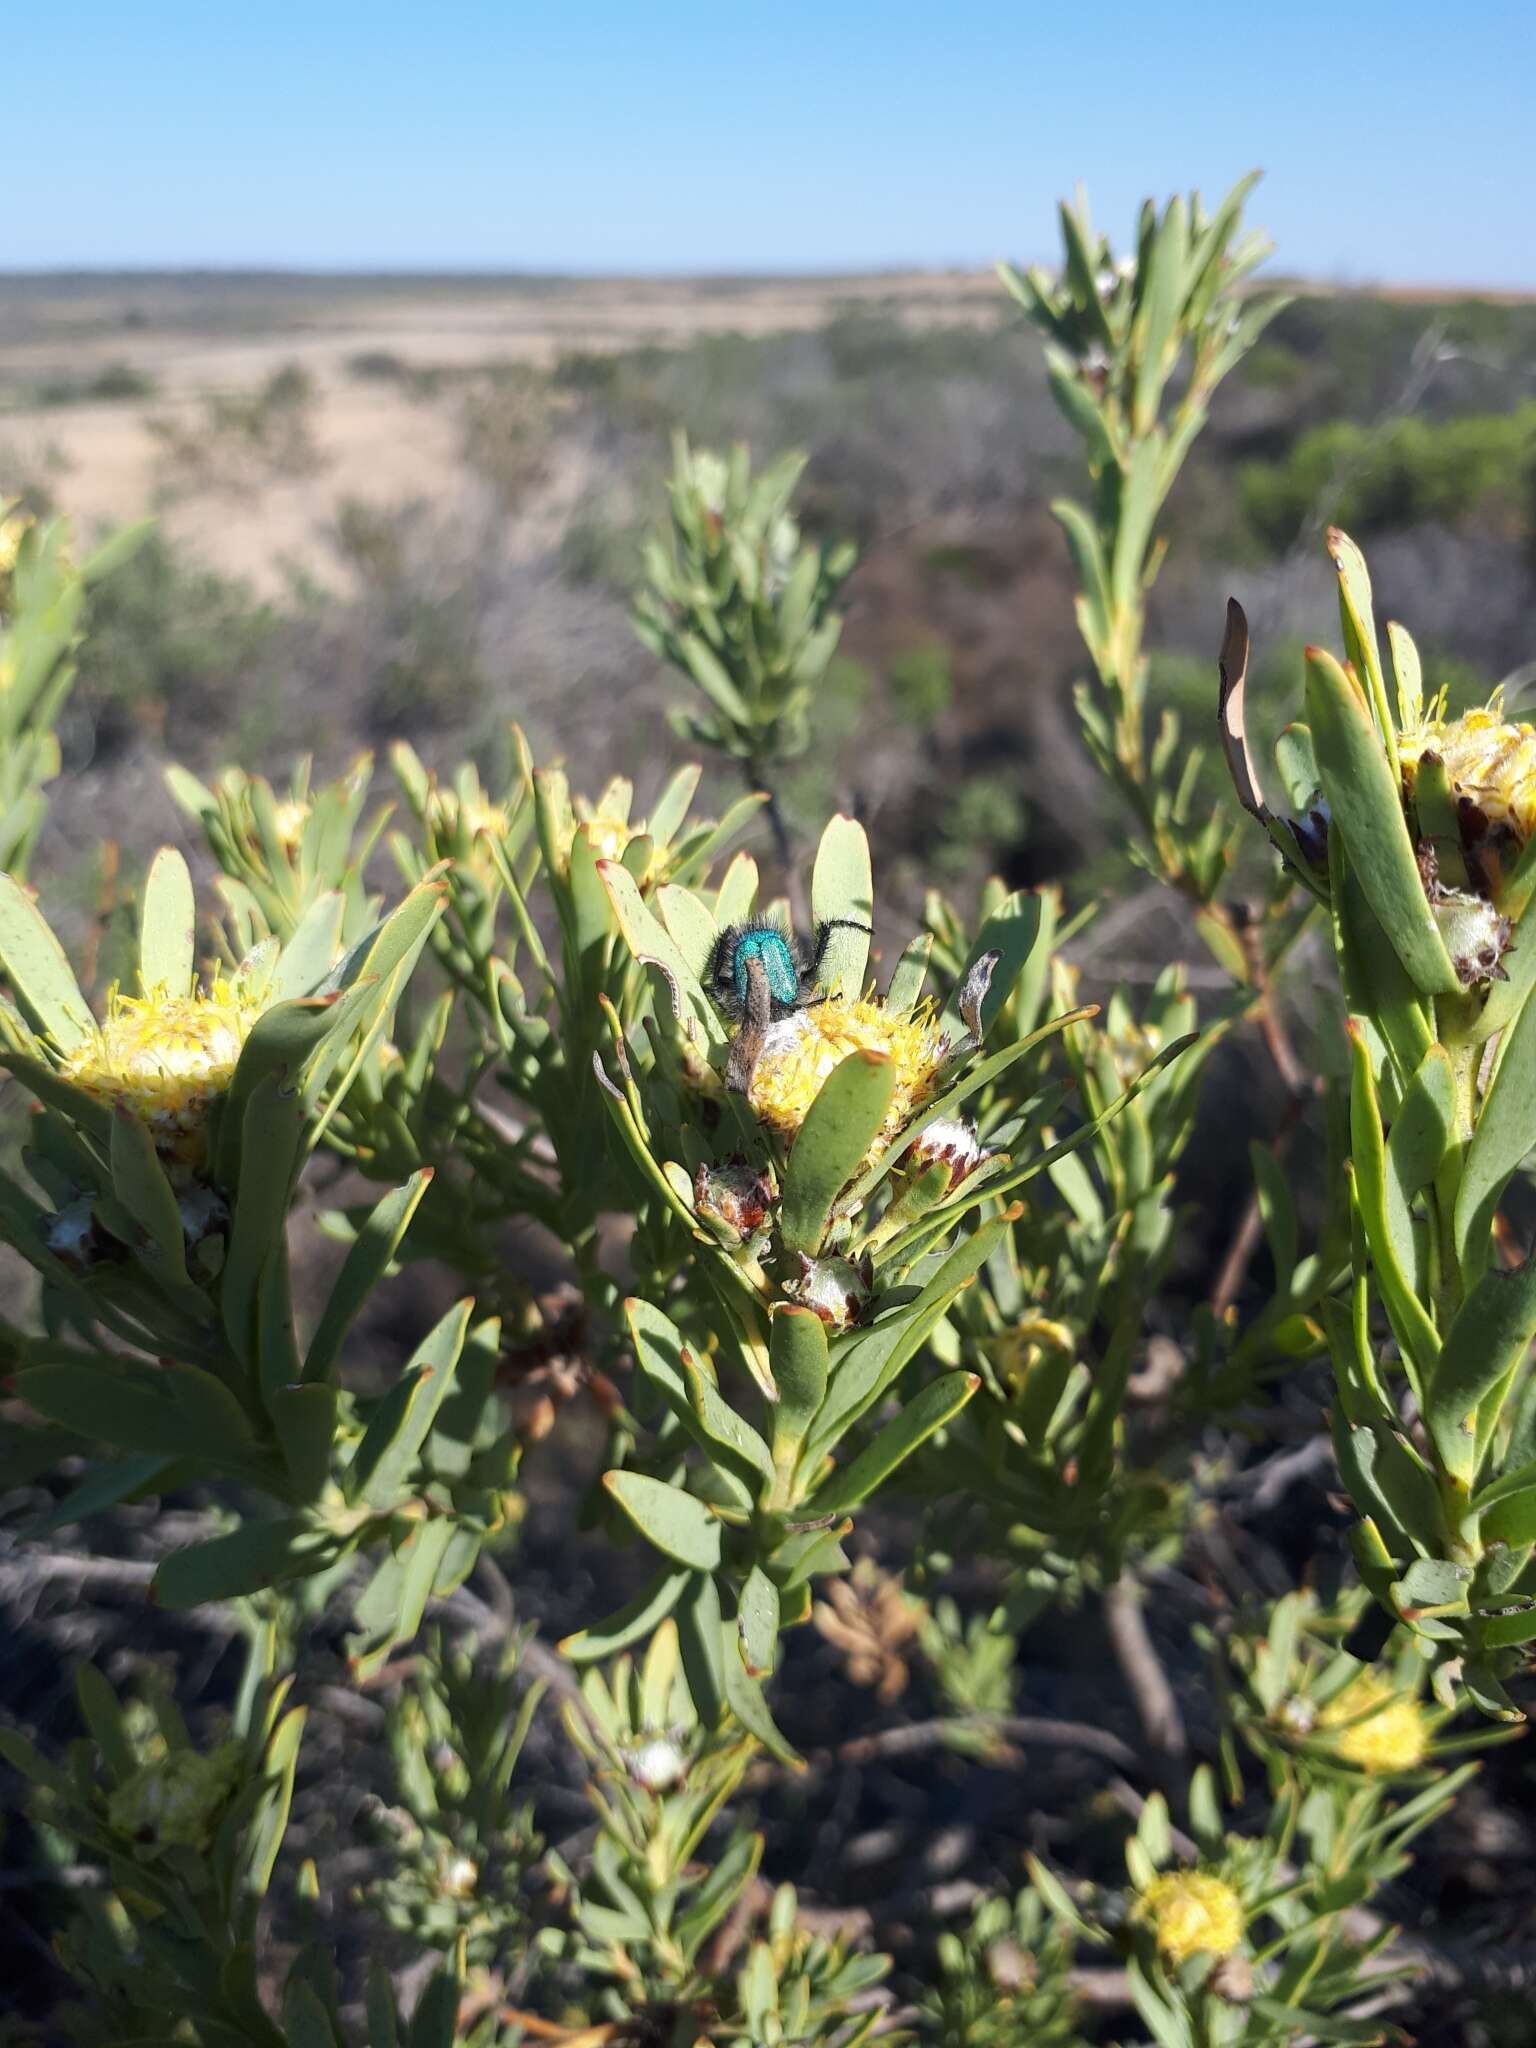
point(592, 135)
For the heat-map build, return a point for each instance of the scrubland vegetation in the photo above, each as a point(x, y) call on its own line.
point(730, 1319)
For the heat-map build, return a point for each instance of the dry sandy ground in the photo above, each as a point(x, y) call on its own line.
point(376, 441)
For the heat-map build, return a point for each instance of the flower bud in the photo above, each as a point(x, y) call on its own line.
point(735, 1195)
point(951, 1142)
point(837, 1290)
point(657, 1764)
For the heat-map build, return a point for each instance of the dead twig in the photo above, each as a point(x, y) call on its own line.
point(1142, 1668)
point(917, 1736)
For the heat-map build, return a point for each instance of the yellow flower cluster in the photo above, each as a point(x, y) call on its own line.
point(1491, 762)
point(609, 836)
point(801, 1051)
point(291, 817)
point(169, 1057)
point(472, 818)
point(1393, 1737)
point(1193, 1913)
point(13, 529)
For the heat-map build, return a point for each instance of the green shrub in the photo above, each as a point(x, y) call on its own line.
point(922, 684)
point(1412, 471)
point(118, 382)
point(171, 640)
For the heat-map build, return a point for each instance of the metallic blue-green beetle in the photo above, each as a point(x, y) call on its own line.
point(790, 969)
point(758, 974)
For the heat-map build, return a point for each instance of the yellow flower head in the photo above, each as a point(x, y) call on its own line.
point(609, 835)
point(168, 1057)
point(1486, 760)
point(473, 818)
point(1193, 1913)
point(1393, 1738)
point(800, 1052)
point(13, 528)
point(291, 818)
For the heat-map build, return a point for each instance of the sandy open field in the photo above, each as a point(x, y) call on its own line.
point(377, 440)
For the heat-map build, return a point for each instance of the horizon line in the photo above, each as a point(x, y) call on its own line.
point(412, 273)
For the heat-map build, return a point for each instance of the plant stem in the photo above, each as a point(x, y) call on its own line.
point(1156, 1702)
point(757, 778)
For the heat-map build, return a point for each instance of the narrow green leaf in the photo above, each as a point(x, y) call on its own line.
point(1504, 1133)
point(1411, 1322)
point(139, 1183)
point(1155, 333)
point(734, 1447)
point(1365, 802)
point(905, 989)
point(281, 1043)
point(398, 1428)
point(1491, 1334)
point(1091, 572)
point(254, 1556)
point(631, 1623)
point(1408, 674)
point(700, 1637)
point(277, 1351)
point(1434, 1583)
point(305, 2022)
point(1506, 1631)
point(737, 895)
point(104, 1717)
point(90, 1116)
point(710, 1904)
point(1277, 1209)
point(869, 1364)
point(304, 1419)
point(844, 1121)
point(1512, 1519)
point(273, 1124)
point(364, 1267)
point(843, 895)
point(167, 926)
point(310, 953)
point(265, 1835)
point(1421, 1135)
point(1359, 623)
point(744, 1696)
point(1377, 986)
point(648, 939)
point(1387, 1481)
point(164, 1410)
point(1141, 497)
point(117, 549)
point(103, 1487)
point(691, 925)
point(1296, 761)
point(928, 1411)
point(757, 1623)
point(371, 975)
point(678, 1525)
point(1019, 930)
point(383, 2028)
point(729, 1435)
point(40, 974)
point(418, 1561)
point(797, 1353)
